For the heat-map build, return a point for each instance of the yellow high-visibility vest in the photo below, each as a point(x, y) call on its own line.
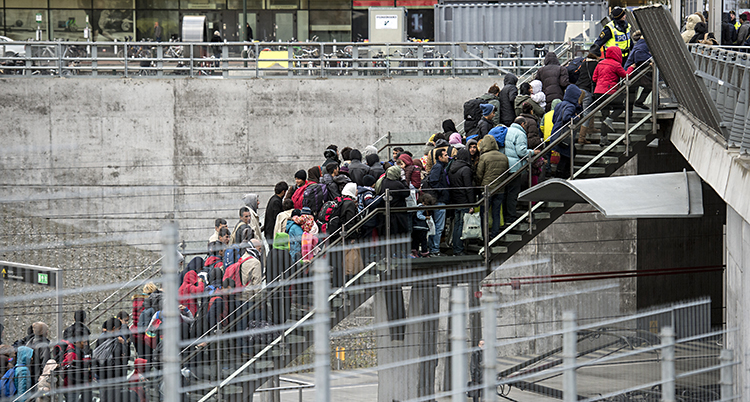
point(619, 38)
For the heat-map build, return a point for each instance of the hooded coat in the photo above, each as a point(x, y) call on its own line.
point(554, 78)
point(507, 98)
point(692, 19)
point(516, 147)
point(492, 162)
point(376, 168)
point(190, 286)
point(139, 368)
point(79, 316)
point(413, 173)
point(533, 135)
point(40, 343)
point(398, 194)
point(520, 99)
point(357, 169)
point(609, 71)
point(460, 178)
point(565, 111)
point(23, 379)
point(273, 208)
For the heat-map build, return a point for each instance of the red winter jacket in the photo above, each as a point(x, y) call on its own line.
point(609, 71)
point(190, 286)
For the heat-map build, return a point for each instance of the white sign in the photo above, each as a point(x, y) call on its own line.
point(386, 22)
point(38, 17)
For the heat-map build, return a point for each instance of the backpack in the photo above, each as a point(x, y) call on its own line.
point(574, 69)
point(472, 114)
point(364, 199)
point(7, 383)
point(315, 196)
point(747, 41)
point(231, 255)
point(499, 133)
point(328, 215)
point(104, 354)
point(151, 334)
point(233, 272)
point(64, 353)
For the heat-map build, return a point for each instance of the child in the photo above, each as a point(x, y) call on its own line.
point(421, 227)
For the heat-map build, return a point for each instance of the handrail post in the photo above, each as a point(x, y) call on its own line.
point(390, 140)
point(727, 374)
point(159, 60)
point(572, 148)
point(667, 365)
point(453, 60)
point(531, 203)
point(570, 340)
point(225, 60)
point(94, 62)
point(628, 111)
point(489, 309)
point(387, 198)
point(387, 60)
point(321, 327)
point(125, 54)
point(257, 56)
point(654, 96)
point(486, 226)
point(192, 61)
point(420, 60)
point(458, 344)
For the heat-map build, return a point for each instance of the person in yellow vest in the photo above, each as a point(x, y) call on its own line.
point(615, 33)
point(734, 21)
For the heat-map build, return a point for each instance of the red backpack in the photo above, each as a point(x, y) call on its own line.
point(233, 272)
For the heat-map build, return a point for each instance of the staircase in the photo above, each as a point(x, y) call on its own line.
point(591, 161)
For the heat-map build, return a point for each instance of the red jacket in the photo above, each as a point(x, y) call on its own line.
point(190, 286)
point(137, 378)
point(413, 173)
point(609, 71)
point(299, 195)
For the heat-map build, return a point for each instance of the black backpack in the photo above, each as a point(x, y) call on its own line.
point(472, 114)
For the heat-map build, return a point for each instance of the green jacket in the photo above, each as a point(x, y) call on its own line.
point(520, 99)
point(492, 162)
point(492, 100)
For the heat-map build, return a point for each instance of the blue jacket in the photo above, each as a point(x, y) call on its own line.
point(295, 238)
point(438, 179)
point(516, 147)
point(639, 54)
point(23, 375)
point(565, 111)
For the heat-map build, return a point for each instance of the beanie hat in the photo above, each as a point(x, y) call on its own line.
point(301, 174)
point(306, 211)
point(368, 180)
point(617, 12)
point(486, 109)
point(455, 139)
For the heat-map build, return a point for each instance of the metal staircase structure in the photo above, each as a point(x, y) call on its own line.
point(590, 161)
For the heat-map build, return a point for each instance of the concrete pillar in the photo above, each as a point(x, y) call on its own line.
point(412, 380)
point(442, 370)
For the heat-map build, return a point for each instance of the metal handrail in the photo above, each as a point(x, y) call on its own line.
point(302, 58)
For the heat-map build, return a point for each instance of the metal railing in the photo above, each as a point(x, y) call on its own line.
point(726, 72)
point(280, 59)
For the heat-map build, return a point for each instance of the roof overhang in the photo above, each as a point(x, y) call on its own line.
point(664, 195)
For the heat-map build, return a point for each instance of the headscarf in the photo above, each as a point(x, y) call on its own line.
point(306, 222)
point(393, 173)
point(455, 139)
point(370, 149)
point(313, 174)
point(251, 200)
point(350, 189)
point(449, 127)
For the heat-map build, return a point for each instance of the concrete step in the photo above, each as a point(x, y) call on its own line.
point(604, 160)
point(293, 338)
point(263, 365)
point(367, 278)
point(541, 215)
point(595, 148)
point(498, 250)
point(550, 204)
point(524, 227)
point(592, 170)
point(508, 238)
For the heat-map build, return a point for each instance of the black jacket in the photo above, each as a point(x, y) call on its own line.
point(586, 75)
point(507, 98)
point(484, 126)
point(460, 176)
point(272, 210)
point(554, 78)
point(357, 171)
point(438, 179)
point(376, 168)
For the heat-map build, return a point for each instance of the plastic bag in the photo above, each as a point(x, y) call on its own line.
point(472, 226)
point(431, 225)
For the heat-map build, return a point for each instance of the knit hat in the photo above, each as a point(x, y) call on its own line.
point(487, 109)
point(301, 174)
point(306, 211)
point(471, 141)
point(617, 12)
point(355, 155)
point(368, 180)
point(455, 139)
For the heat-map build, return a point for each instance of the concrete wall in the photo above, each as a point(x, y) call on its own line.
point(737, 284)
point(123, 156)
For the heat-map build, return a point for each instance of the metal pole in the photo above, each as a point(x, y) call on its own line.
point(171, 356)
point(321, 325)
point(572, 148)
point(458, 345)
point(490, 355)
point(727, 374)
point(387, 229)
point(667, 365)
point(531, 204)
point(486, 234)
point(59, 289)
point(627, 115)
point(654, 96)
point(570, 341)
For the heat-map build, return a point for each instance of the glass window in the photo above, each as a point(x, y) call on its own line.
point(108, 25)
point(203, 4)
point(26, 3)
point(330, 25)
point(68, 24)
point(21, 24)
point(168, 20)
point(71, 3)
point(157, 4)
point(287, 4)
point(330, 4)
point(420, 24)
point(114, 4)
point(360, 24)
point(251, 5)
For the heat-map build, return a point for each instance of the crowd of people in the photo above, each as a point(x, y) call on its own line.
point(333, 201)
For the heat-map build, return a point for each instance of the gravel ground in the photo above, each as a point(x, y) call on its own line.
point(86, 263)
